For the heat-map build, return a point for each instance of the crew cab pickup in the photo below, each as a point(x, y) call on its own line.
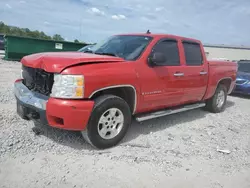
point(143, 76)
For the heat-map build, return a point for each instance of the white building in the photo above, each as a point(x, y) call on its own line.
point(224, 52)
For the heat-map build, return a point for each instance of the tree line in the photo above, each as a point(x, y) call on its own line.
point(25, 32)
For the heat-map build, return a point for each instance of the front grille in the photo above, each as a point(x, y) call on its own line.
point(240, 82)
point(38, 80)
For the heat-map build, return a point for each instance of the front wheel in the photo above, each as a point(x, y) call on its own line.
point(217, 103)
point(109, 122)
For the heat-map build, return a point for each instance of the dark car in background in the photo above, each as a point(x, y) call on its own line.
point(1, 42)
point(243, 78)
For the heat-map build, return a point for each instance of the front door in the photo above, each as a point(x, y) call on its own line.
point(162, 84)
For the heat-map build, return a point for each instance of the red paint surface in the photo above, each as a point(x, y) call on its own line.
point(172, 91)
point(74, 113)
point(57, 61)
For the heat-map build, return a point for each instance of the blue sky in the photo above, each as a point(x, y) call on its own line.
point(213, 21)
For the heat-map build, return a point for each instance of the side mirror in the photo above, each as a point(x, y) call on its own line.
point(157, 58)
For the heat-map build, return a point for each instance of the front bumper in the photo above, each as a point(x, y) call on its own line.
point(242, 89)
point(60, 113)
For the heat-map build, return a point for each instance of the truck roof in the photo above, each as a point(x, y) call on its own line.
point(159, 35)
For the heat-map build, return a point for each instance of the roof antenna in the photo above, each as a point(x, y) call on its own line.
point(148, 32)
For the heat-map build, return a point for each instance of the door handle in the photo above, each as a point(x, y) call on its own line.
point(203, 73)
point(179, 74)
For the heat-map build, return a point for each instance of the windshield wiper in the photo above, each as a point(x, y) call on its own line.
point(100, 53)
point(88, 51)
point(103, 53)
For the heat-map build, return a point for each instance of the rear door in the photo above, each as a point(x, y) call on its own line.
point(196, 71)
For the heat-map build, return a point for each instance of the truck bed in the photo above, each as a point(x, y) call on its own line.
point(219, 70)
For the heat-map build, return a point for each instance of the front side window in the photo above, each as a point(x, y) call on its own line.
point(169, 49)
point(192, 53)
point(129, 47)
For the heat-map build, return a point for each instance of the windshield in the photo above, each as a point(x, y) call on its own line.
point(128, 47)
point(244, 66)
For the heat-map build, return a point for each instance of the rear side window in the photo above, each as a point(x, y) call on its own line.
point(170, 50)
point(192, 53)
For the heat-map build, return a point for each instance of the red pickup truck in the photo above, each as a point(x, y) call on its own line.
point(131, 75)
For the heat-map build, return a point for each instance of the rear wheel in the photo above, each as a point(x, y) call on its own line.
point(109, 122)
point(217, 103)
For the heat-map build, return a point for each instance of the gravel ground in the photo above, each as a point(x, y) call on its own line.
point(174, 151)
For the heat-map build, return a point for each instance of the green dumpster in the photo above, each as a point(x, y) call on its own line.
point(18, 47)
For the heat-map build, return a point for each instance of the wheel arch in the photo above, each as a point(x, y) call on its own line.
point(226, 82)
point(126, 92)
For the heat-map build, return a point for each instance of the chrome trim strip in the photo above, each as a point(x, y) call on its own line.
point(28, 97)
point(233, 83)
point(169, 111)
point(117, 86)
point(231, 86)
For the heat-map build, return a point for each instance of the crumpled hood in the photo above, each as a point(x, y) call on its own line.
point(243, 76)
point(57, 61)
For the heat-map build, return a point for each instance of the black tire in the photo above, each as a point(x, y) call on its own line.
point(102, 104)
point(211, 104)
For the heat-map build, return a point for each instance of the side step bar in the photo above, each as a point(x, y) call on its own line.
point(168, 112)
